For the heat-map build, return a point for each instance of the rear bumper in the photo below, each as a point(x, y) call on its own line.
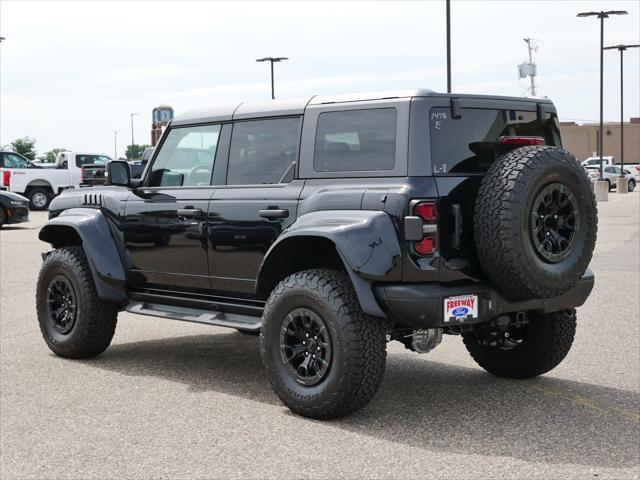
point(421, 305)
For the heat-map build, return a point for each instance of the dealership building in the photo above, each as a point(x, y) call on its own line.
point(582, 139)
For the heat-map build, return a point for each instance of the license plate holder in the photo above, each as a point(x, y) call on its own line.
point(460, 308)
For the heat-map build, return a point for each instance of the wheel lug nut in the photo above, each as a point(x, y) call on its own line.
point(307, 335)
point(318, 349)
point(315, 337)
point(313, 356)
point(303, 342)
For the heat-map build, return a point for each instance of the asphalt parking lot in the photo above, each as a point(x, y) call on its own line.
point(178, 400)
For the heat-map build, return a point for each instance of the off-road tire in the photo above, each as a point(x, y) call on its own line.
point(547, 343)
point(42, 191)
point(358, 345)
point(504, 210)
point(96, 319)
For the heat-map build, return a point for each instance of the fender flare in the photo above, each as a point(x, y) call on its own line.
point(366, 241)
point(92, 229)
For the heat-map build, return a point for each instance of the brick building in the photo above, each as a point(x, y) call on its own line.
point(582, 140)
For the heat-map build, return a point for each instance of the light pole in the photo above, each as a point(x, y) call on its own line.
point(601, 15)
point(115, 144)
point(448, 46)
point(272, 60)
point(622, 49)
point(132, 142)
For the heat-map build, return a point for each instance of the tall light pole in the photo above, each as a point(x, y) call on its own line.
point(115, 144)
point(601, 15)
point(622, 49)
point(132, 115)
point(448, 46)
point(132, 142)
point(272, 60)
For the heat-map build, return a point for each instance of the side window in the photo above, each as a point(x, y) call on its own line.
point(186, 157)
point(11, 160)
point(263, 151)
point(355, 141)
point(610, 170)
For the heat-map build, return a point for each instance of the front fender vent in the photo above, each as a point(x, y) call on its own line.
point(92, 199)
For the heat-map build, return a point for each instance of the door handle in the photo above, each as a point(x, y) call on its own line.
point(273, 213)
point(189, 212)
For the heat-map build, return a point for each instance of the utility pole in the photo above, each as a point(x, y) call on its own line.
point(272, 60)
point(622, 49)
point(531, 46)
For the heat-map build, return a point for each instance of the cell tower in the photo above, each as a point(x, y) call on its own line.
point(529, 69)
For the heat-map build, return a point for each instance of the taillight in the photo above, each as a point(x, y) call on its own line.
point(427, 211)
point(6, 178)
point(423, 228)
point(520, 141)
point(426, 246)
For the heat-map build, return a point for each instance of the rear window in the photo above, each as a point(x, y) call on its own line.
point(469, 144)
point(355, 141)
point(82, 160)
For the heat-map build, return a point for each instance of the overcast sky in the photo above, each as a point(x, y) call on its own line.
point(71, 72)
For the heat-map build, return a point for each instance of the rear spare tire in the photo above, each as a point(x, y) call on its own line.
point(535, 222)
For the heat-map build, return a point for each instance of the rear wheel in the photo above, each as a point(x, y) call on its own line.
point(632, 185)
point(74, 321)
point(324, 356)
point(38, 198)
point(523, 350)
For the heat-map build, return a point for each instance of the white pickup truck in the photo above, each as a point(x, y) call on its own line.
point(40, 185)
point(608, 160)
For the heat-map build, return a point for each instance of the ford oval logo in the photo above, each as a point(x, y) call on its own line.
point(460, 311)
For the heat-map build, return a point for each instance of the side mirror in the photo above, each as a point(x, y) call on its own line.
point(118, 173)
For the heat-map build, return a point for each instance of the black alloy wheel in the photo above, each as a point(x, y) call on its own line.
point(61, 304)
point(305, 346)
point(554, 222)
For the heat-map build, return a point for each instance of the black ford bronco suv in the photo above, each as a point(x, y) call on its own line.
point(330, 226)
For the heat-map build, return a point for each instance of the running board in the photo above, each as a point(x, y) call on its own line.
point(207, 317)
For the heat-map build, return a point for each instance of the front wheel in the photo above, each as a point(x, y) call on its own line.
point(523, 350)
point(632, 185)
point(74, 321)
point(324, 356)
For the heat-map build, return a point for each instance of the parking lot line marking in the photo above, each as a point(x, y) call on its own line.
point(583, 402)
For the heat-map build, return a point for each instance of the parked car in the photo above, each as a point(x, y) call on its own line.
point(608, 160)
point(14, 208)
point(611, 175)
point(40, 185)
point(332, 225)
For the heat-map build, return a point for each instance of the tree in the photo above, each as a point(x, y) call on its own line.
point(134, 152)
point(25, 146)
point(50, 156)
